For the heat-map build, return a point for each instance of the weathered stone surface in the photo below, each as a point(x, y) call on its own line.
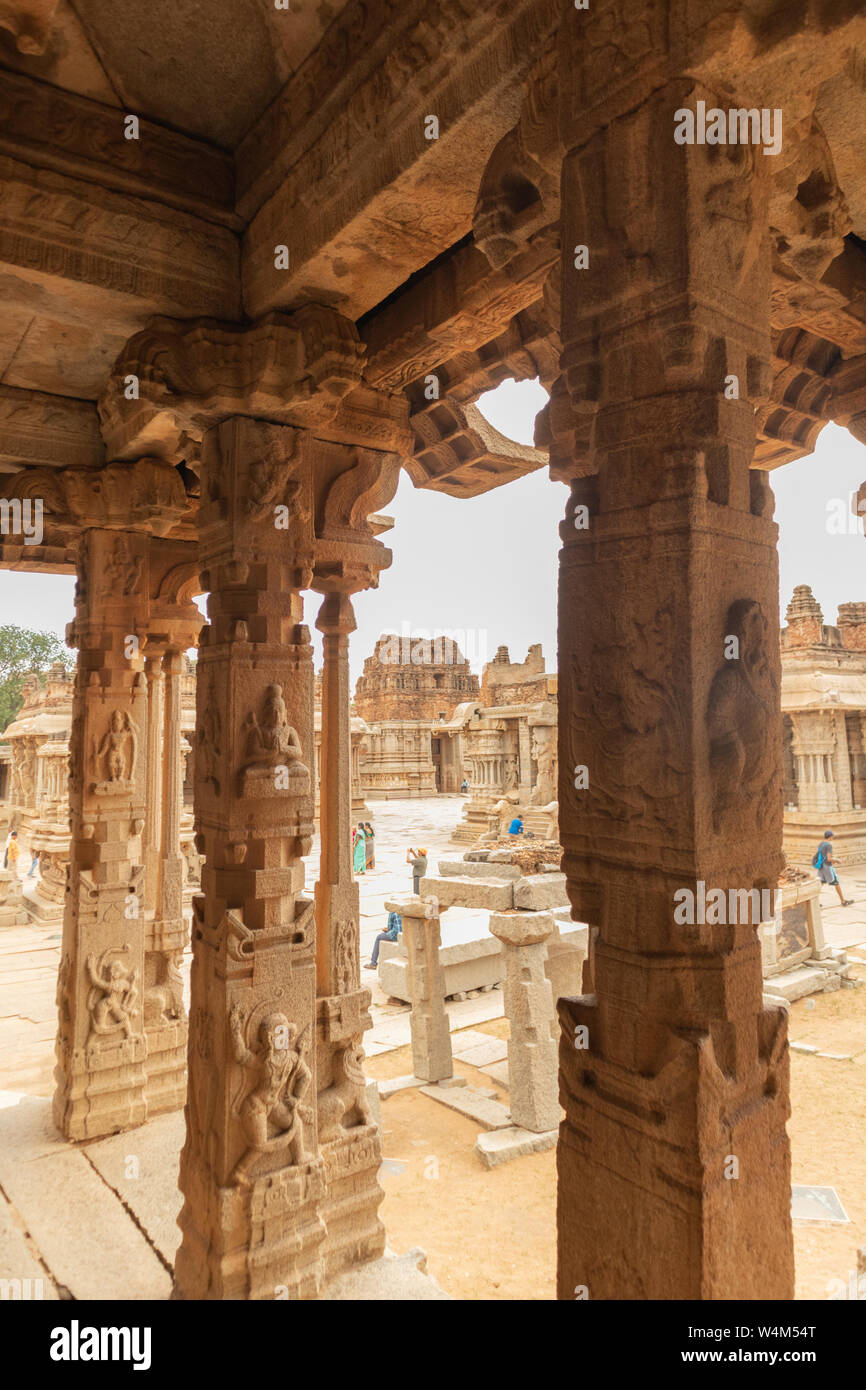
point(540, 892)
point(501, 1145)
point(493, 895)
point(469, 1102)
point(492, 869)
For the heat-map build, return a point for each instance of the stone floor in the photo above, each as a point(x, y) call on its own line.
point(63, 1207)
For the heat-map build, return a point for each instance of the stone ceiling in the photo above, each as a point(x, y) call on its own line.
point(205, 67)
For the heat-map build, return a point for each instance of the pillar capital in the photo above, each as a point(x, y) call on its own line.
point(176, 379)
point(144, 495)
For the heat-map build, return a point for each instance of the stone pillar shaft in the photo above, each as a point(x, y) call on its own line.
point(669, 552)
point(431, 1036)
point(100, 1041)
point(250, 1172)
point(532, 1075)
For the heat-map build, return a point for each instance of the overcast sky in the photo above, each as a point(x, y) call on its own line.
point(485, 569)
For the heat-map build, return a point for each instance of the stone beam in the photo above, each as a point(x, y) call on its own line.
point(355, 166)
point(458, 452)
point(49, 128)
point(72, 250)
point(456, 305)
point(49, 431)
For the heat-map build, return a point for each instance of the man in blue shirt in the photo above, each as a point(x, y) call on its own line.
point(395, 926)
point(823, 862)
point(516, 826)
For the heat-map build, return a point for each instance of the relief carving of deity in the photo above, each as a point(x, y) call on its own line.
point(740, 707)
point(117, 753)
point(113, 1000)
point(274, 1112)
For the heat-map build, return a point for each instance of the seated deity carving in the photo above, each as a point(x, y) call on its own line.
point(274, 1112)
point(272, 751)
point(113, 1000)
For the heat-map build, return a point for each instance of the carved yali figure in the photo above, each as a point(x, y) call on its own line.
point(739, 709)
point(113, 1000)
point(274, 1112)
point(638, 726)
point(344, 1103)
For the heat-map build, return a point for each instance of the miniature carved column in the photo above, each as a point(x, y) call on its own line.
point(349, 1138)
point(674, 1165)
point(532, 1073)
point(164, 1013)
point(425, 977)
point(153, 780)
point(844, 790)
point(250, 1172)
point(100, 1041)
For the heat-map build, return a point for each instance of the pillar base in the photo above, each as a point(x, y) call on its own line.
point(103, 1092)
point(266, 1240)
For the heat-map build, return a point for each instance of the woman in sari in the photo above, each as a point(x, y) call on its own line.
point(370, 846)
point(359, 850)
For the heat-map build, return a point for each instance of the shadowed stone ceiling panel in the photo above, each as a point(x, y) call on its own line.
point(207, 67)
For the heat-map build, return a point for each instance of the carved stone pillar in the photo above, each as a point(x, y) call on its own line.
point(153, 779)
point(250, 1172)
point(842, 763)
point(532, 1074)
point(425, 977)
point(674, 1166)
point(165, 1018)
point(100, 1040)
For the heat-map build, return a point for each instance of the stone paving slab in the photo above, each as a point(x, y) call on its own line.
point(80, 1227)
point(498, 1071)
point(491, 1050)
point(468, 1101)
point(152, 1153)
point(505, 1144)
point(17, 1262)
point(467, 1040)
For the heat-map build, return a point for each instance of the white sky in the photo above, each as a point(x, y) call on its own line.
point(486, 567)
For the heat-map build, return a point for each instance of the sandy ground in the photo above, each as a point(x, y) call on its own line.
point(491, 1234)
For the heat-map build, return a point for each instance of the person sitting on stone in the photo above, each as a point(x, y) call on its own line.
point(516, 826)
point(418, 859)
point(392, 931)
point(823, 862)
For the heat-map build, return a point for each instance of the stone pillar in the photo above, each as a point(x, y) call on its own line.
point(153, 779)
point(165, 1018)
point(349, 1137)
point(100, 1040)
point(842, 762)
point(674, 1164)
point(532, 1072)
point(250, 1172)
point(425, 978)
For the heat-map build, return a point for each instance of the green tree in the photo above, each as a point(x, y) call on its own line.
point(22, 653)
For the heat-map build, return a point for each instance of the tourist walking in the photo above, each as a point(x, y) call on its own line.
point(418, 859)
point(359, 849)
point(391, 933)
point(823, 862)
point(13, 849)
point(370, 845)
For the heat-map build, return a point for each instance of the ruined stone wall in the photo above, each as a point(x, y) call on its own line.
point(413, 679)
